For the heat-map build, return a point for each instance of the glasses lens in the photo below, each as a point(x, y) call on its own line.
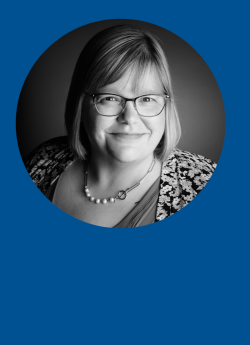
point(150, 105)
point(109, 105)
point(147, 105)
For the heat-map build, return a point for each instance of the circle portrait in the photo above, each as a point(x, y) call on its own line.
point(120, 123)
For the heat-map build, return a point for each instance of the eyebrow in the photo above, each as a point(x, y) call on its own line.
point(143, 92)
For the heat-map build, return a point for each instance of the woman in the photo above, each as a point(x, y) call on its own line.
point(119, 165)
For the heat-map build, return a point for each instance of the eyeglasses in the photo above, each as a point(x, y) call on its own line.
point(113, 105)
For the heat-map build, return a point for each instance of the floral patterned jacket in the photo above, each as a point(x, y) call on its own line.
point(183, 175)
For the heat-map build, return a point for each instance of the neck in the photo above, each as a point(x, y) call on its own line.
point(110, 172)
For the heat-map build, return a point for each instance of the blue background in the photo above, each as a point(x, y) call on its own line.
point(181, 281)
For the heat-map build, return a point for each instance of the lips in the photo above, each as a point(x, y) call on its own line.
point(127, 136)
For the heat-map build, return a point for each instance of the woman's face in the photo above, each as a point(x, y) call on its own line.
point(127, 137)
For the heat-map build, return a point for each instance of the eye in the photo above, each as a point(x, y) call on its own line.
point(110, 98)
point(147, 99)
point(107, 99)
point(151, 100)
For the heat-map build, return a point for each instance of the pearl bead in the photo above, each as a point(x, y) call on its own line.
point(88, 195)
point(97, 201)
point(91, 198)
point(86, 190)
point(104, 201)
point(112, 200)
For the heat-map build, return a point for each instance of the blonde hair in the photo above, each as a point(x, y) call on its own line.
point(104, 60)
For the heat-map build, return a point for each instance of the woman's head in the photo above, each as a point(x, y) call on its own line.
point(105, 59)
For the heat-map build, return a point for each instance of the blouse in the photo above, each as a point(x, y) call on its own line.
point(183, 176)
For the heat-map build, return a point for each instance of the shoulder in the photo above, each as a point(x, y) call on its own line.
point(189, 166)
point(189, 160)
point(48, 161)
point(183, 176)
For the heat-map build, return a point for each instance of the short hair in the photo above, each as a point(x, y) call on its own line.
point(104, 60)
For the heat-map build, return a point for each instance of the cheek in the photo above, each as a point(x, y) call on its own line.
point(161, 125)
point(95, 126)
point(157, 127)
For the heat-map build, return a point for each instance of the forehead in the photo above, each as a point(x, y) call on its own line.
point(135, 81)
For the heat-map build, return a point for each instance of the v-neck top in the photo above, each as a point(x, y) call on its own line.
point(183, 176)
point(142, 214)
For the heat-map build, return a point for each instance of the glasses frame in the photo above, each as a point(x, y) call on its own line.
point(93, 95)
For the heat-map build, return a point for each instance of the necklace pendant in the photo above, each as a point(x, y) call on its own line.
point(122, 195)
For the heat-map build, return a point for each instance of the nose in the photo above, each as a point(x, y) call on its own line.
point(129, 114)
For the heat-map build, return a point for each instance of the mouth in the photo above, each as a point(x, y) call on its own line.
point(126, 133)
point(128, 136)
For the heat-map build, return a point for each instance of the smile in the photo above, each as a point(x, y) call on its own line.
point(127, 136)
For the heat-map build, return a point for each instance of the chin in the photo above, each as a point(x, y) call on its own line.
point(126, 156)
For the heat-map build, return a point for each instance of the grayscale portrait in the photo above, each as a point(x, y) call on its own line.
point(120, 123)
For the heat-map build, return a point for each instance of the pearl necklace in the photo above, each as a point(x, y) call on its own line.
point(121, 195)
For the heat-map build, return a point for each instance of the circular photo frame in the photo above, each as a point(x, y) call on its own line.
point(52, 148)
